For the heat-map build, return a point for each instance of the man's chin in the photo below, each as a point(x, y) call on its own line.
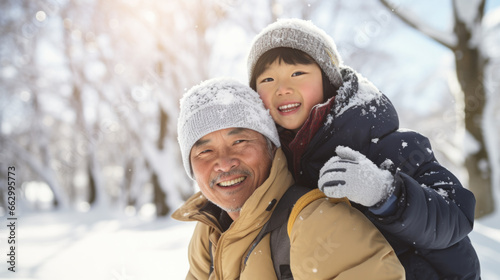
point(230, 209)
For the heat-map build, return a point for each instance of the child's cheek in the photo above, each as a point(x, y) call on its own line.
point(266, 100)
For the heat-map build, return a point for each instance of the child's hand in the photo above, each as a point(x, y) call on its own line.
point(350, 174)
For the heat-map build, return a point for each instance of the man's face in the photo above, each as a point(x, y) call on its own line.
point(229, 164)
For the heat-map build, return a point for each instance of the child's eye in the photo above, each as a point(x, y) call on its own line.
point(267, 80)
point(298, 73)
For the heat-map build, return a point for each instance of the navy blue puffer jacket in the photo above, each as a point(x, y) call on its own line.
point(434, 214)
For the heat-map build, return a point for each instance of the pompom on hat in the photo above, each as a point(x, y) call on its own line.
point(219, 104)
point(301, 35)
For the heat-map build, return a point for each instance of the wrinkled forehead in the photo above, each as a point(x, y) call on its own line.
point(228, 131)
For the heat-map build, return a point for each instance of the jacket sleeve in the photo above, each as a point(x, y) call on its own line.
point(433, 211)
point(348, 246)
point(198, 254)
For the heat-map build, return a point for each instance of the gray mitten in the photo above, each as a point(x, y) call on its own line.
point(350, 174)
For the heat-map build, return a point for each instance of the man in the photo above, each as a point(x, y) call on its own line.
point(230, 146)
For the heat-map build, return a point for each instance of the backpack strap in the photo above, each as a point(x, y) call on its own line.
point(305, 200)
point(285, 205)
point(277, 226)
point(280, 214)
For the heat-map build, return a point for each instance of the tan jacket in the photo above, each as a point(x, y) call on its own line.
point(328, 240)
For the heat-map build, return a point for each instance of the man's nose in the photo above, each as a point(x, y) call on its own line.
point(226, 162)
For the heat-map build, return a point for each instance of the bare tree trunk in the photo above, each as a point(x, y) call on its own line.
point(470, 68)
point(92, 197)
point(160, 196)
point(127, 184)
point(81, 127)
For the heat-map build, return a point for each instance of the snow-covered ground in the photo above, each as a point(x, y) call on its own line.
point(99, 245)
point(74, 246)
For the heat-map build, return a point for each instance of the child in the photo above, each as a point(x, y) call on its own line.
point(340, 133)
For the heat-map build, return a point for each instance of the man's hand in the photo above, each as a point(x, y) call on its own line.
point(350, 174)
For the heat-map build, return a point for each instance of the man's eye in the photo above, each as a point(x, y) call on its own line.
point(239, 141)
point(298, 73)
point(266, 80)
point(204, 152)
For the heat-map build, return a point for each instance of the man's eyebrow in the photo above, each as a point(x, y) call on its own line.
point(237, 130)
point(201, 142)
point(233, 131)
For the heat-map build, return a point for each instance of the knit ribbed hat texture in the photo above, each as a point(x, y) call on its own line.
point(219, 104)
point(301, 35)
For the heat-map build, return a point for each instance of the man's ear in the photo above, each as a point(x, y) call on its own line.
point(272, 151)
point(192, 172)
point(191, 166)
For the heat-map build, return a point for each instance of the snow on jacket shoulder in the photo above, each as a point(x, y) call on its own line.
point(350, 248)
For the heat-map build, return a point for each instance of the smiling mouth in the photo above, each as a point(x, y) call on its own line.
point(289, 107)
point(232, 182)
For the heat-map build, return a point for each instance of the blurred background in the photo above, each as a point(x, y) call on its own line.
point(90, 89)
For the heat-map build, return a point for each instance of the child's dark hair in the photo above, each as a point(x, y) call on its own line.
point(289, 56)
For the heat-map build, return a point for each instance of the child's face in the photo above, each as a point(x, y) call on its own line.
point(290, 91)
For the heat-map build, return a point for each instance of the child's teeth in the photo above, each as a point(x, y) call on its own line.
point(289, 106)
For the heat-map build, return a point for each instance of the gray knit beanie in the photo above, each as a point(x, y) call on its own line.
point(219, 104)
point(301, 35)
